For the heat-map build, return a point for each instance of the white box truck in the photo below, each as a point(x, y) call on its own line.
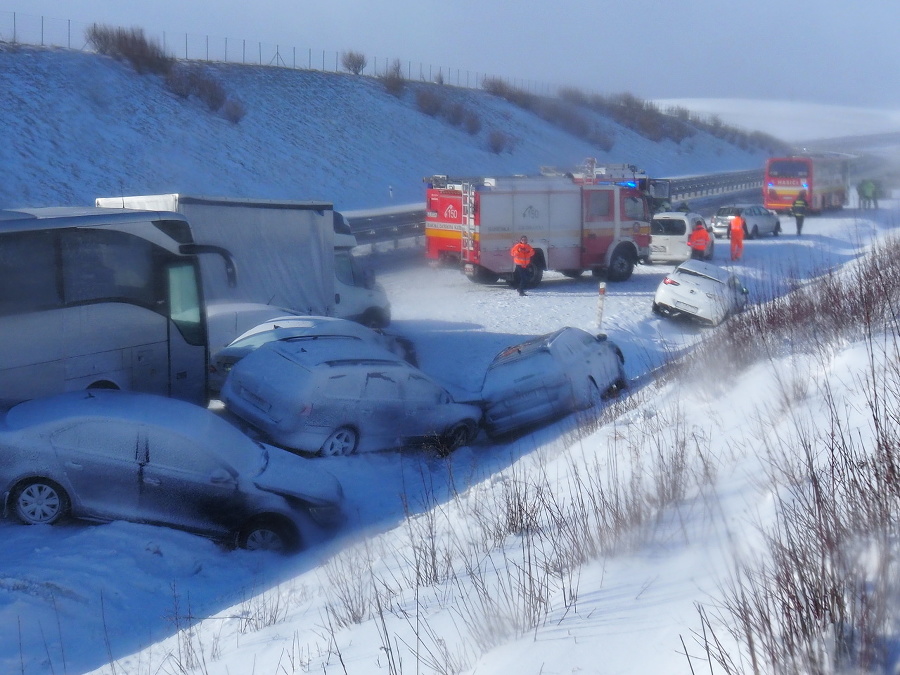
point(284, 252)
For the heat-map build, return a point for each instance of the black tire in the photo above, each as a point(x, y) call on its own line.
point(621, 265)
point(269, 533)
point(777, 229)
point(484, 276)
point(374, 319)
point(457, 436)
point(534, 275)
point(572, 274)
point(712, 250)
point(755, 233)
point(595, 396)
point(341, 443)
point(39, 501)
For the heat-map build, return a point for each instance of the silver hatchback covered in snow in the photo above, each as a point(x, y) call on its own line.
point(338, 397)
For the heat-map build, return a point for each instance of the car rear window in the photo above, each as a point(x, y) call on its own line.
point(728, 211)
point(668, 226)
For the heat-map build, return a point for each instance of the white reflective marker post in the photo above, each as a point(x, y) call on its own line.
point(601, 296)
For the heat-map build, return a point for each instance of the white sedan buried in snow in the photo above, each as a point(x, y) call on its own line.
point(700, 290)
point(548, 377)
point(107, 455)
point(301, 328)
point(338, 397)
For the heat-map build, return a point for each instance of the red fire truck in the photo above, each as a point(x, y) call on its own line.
point(596, 219)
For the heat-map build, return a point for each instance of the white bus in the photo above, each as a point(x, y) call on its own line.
point(96, 298)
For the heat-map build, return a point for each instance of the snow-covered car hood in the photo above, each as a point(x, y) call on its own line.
point(293, 476)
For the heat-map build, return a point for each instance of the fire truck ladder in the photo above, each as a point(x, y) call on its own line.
point(468, 220)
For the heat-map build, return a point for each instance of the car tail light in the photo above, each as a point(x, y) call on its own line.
point(669, 281)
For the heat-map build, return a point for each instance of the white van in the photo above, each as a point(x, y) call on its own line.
point(669, 232)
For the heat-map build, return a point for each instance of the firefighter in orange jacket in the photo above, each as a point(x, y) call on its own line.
point(737, 237)
point(699, 241)
point(521, 253)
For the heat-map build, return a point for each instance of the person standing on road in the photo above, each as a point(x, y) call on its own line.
point(698, 241)
point(737, 237)
point(798, 208)
point(522, 254)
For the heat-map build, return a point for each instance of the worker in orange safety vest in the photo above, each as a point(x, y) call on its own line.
point(521, 253)
point(699, 241)
point(737, 237)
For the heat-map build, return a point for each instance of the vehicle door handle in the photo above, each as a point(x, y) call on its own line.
point(74, 465)
point(152, 481)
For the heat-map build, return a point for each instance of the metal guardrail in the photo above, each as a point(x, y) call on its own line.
point(378, 225)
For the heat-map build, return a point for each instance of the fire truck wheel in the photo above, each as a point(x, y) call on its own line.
point(621, 265)
point(535, 275)
point(484, 276)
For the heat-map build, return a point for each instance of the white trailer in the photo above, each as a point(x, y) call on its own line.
point(284, 252)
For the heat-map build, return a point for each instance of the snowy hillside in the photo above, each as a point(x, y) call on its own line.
point(77, 126)
point(587, 546)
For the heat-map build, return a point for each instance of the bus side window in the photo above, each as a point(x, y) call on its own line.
point(28, 273)
point(185, 302)
point(105, 265)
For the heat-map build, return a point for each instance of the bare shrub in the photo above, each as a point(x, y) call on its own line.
point(130, 44)
point(234, 110)
point(186, 81)
point(472, 123)
point(429, 102)
point(498, 142)
point(354, 62)
point(393, 80)
point(456, 114)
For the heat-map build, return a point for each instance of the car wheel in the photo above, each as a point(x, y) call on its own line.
point(777, 229)
point(340, 443)
point(40, 501)
point(457, 436)
point(594, 394)
point(755, 233)
point(711, 251)
point(268, 534)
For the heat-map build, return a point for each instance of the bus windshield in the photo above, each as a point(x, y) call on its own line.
point(789, 169)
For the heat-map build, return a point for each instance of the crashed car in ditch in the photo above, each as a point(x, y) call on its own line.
point(699, 290)
point(549, 376)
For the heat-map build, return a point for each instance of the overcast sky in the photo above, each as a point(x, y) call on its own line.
point(822, 51)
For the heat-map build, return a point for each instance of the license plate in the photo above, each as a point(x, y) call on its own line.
point(256, 400)
point(685, 306)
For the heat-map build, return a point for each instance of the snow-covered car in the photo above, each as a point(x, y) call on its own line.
point(669, 232)
point(105, 455)
point(549, 376)
point(301, 327)
point(331, 397)
point(757, 220)
point(700, 290)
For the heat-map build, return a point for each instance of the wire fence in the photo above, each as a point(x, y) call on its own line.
point(29, 29)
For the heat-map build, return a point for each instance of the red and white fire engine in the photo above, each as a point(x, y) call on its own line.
point(595, 219)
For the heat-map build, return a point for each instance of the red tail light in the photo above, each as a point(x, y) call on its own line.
point(669, 281)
